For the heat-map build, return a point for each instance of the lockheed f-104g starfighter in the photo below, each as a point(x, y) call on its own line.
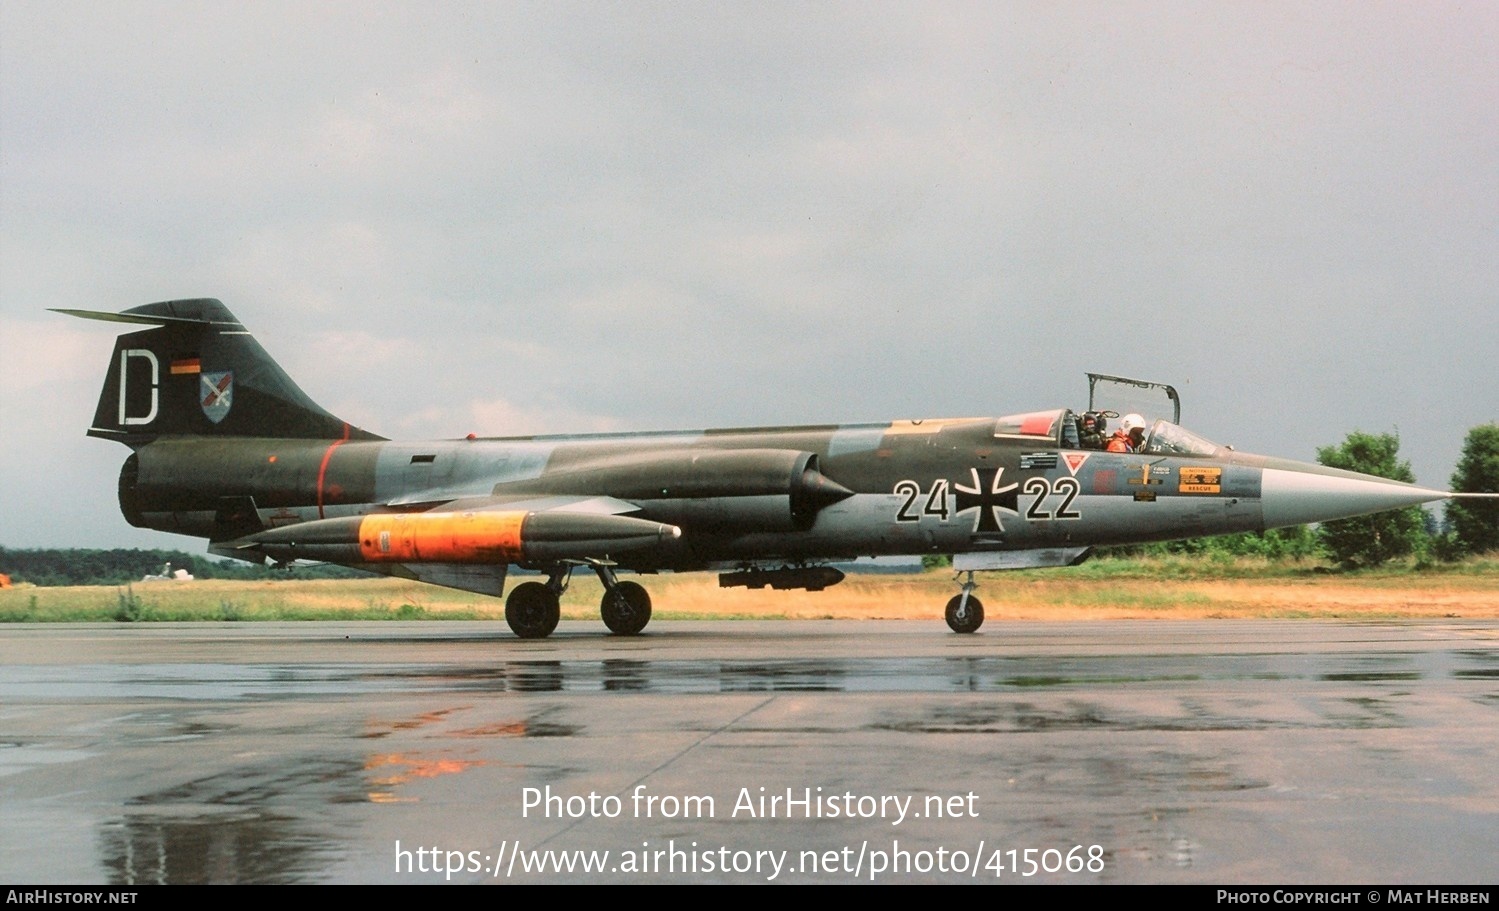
point(226, 447)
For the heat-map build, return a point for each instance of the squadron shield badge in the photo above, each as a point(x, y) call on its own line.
point(217, 394)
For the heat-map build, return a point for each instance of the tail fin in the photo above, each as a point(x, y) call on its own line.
point(197, 372)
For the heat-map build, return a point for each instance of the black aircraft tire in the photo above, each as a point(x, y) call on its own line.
point(973, 619)
point(626, 609)
point(532, 610)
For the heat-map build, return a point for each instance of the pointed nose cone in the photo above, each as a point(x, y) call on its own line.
point(1295, 493)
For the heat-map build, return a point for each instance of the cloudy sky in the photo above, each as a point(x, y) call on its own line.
point(515, 218)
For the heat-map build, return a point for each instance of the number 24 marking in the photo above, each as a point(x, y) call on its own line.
point(936, 501)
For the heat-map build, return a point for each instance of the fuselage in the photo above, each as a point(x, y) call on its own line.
point(906, 487)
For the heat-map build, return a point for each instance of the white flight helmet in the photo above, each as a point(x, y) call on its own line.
point(1132, 421)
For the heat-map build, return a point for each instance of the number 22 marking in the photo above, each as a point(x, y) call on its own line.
point(1066, 488)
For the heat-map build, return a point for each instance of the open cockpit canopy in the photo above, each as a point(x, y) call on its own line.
point(1126, 396)
point(1110, 398)
point(1067, 430)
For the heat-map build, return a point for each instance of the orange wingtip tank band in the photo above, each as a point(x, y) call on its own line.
point(485, 537)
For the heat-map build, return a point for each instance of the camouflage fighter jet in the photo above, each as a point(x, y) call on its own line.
point(226, 447)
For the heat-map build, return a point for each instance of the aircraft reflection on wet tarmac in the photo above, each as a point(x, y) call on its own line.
point(1192, 752)
point(624, 675)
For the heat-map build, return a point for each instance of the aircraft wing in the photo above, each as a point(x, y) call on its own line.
point(598, 506)
point(479, 579)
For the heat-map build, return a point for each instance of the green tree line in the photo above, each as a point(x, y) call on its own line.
point(69, 566)
point(1467, 526)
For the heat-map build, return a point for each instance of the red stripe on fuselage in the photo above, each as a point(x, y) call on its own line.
point(322, 470)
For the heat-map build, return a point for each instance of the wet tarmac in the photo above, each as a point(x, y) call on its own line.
point(1241, 752)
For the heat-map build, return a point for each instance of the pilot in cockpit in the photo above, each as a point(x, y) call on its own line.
point(1092, 426)
point(1130, 436)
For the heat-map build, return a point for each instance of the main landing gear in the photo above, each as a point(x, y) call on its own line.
point(965, 613)
point(626, 607)
point(533, 608)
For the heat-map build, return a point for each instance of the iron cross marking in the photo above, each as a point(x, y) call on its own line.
point(988, 497)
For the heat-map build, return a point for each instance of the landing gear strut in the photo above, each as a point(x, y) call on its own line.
point(533, 608)
point(965, 613)
point(626, 606)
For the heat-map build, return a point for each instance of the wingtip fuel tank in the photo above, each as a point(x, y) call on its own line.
point(495, 537)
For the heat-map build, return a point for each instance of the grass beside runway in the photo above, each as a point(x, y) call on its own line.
point(1163, 588)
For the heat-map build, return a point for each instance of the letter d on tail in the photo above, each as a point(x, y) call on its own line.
point(140, 386)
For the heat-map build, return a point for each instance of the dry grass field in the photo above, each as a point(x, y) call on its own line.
point(1098, 590)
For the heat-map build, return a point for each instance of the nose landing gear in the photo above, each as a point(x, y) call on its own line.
point(965, 613)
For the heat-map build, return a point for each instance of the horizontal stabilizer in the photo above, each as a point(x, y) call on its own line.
point(236, 552)
point(236, 517)
point(146, 319)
